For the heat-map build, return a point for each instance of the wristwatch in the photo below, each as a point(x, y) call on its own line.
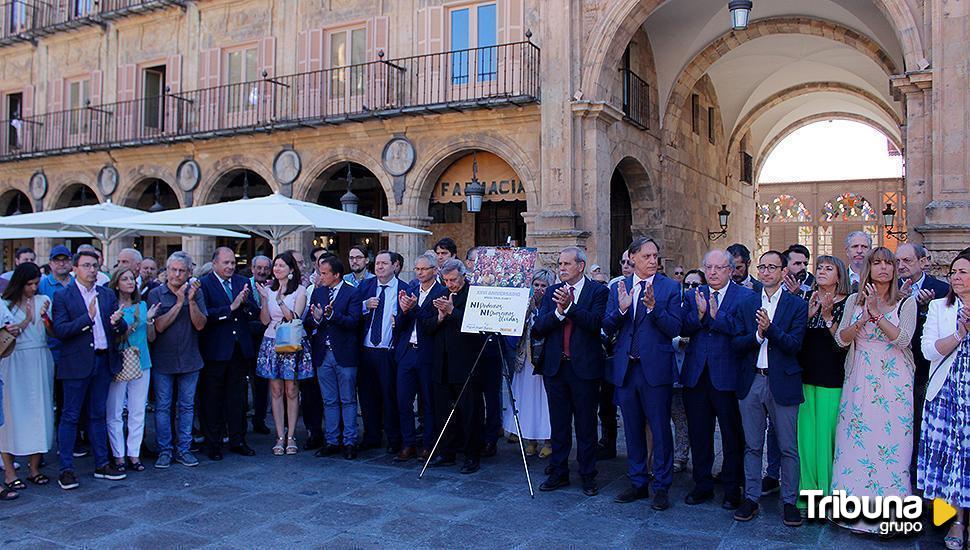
point(828, 324)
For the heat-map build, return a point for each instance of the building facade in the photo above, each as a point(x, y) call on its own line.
point(589, 121)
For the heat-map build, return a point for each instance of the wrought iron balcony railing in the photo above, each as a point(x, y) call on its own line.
point(636, 99)
point(449, 81)
point(29, 19)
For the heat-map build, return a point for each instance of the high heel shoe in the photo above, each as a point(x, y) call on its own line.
point(278, 448)
point(954, 543)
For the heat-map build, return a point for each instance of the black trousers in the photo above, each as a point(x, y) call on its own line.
point(572, 399)
point(465, 430)
point(704, 404)
point(607, 414)
point(224, 399)
point(311, 405)
point(377, 396)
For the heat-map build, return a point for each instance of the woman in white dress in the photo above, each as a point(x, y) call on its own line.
point(527, 387)
point(28, 376)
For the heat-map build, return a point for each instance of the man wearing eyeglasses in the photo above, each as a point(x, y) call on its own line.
point(769, 329)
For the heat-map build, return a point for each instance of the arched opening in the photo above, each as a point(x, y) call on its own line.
point(621, 220)
point(154, 195)
point(327, 190)
point(500, 220)
point(76, 194)
point(235, 185)
point(12, 203)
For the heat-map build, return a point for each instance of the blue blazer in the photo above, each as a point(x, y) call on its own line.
point(404, 323)
point(343, 326)
point(74, 329)
point(585, 345)
point(784, 337)
point(225, 328)
point(710, 339)
point(368, 289)
point(659, 327)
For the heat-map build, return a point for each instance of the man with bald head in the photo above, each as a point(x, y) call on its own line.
point(710, 379)
point(129, 258)
point(227, 348)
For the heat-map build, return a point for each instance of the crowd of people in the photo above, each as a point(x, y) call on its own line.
point(853, 378)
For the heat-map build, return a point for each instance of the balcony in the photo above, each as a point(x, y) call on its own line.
point(490, 77)
point(636, 99)
point(27, 20)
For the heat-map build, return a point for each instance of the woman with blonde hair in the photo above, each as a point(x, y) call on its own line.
point(874, 442)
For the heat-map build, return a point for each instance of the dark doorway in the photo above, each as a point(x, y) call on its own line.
point(621, 221)
point(373, 204)
point(498, 221)
point(153, 92)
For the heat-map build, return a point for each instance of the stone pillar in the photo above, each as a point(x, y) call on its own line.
point(595, 119)
point(111, 253)
point(915, 90)
point(408, 245)
point(42, 247)
point(299, 241)
point(199, 248)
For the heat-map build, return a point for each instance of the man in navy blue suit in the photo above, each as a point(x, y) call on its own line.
point(644, 313)
point(334, 327)
point(376, 379)
point(570, 318)
point(413, 354)
point(227, 347)
point(86, 321)
point(769, 328)
point(710, 379)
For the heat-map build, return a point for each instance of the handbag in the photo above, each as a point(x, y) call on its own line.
point(289, 336)
point(7, 342)
point(130, 357)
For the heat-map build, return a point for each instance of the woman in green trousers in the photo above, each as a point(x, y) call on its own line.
point(823, 372)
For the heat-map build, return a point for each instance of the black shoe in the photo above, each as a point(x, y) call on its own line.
point(195, 447)
point(327, 450)
point(110, 472)
point(470, 466)
point(242, 449)
point(791, 516)
point(312, 442)
point(554, 482)
point(660, 501)
point(747, 511)
point(260, 428)
point(769, 485)
point(215, 455)
point(732, 499)
point(67, 480)
point(698, 497)
point(80, 451)
point(549, 469)
point(605, 452)
point(632, 494)
point(589, 487)
point(350, 452)
point(489, 450)
point(442, 460)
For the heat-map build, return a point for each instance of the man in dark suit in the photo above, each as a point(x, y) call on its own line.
point(334, 327)
point(769, 328)
point(87, 321)
point(925, 287)
point(799, 280)
point(710, 379)
point(377, 379)
point(644, 313)
point(413, 355)
point(453, 356)
point(570, 318)
point(227, 347)
point(742, 261)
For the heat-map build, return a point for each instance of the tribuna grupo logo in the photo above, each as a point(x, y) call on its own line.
point(893, 514)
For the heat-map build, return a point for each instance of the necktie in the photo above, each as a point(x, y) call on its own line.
point(228, 287)
point(567, 330)
point(333, 296)
point(638, 317)
point(259, 302)
point(716, 297)
point(377, 323)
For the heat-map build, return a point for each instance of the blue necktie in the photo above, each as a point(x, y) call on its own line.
point(638, 318)
point(259, 303)
point(228, 287)
point(377, 323)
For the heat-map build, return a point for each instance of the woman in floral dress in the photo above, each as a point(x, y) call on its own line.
point(874, 435)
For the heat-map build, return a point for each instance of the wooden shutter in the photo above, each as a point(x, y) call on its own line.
point(27, 110)
point(266, 62)
point(127, 82)
point(99, 126)
point(422, 27)
point(436, 44)
point(302, 52)
point(314, 100)
point(514, 21)
point(52, 132)
point(173, 74)
point(377, 31)
point(174, 109)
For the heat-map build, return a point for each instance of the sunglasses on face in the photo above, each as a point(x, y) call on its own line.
point(692, 285)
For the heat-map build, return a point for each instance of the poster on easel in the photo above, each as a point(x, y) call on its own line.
point(498, 298)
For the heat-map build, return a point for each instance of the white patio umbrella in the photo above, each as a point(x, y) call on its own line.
point(103, 222)
point(12, 233)
point(273, 217)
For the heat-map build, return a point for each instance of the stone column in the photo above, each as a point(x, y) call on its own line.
point(111, 253)
point(42, 247)
point(915, 89)
point(299, 241)
point(595, 119)
point(408, 245)
point(199, 248)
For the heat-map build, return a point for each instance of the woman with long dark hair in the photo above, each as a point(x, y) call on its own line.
point(28, 378)
point(283, 300)
point(134, 392)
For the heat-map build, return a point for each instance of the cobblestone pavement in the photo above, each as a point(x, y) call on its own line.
point(301, 500)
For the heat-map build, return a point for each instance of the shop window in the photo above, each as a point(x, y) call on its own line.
point(445, 212)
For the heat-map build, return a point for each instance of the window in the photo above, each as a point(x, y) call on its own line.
point(348, 53)
point(711, 133)
point(848, 206)
point(15, 104)
point(470, 28)
point(18, 17)
point(78, 95)
point(153, 91)
point(806, 237)
point(695, 113)
point(445, 212)
point(824, 240)
point(241, 68)
point(747, 167)
point(82, 7)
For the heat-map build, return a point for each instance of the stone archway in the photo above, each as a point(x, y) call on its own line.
point(75, 194)
point(13, 202)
